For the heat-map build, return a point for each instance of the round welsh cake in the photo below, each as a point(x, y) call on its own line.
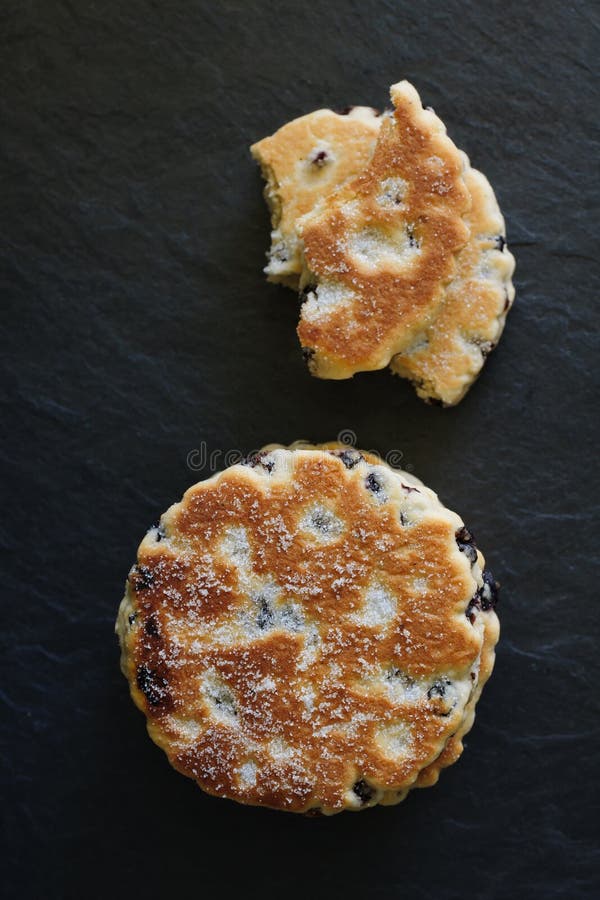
point(309, 631)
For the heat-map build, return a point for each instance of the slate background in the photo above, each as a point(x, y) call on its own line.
point(137, 324)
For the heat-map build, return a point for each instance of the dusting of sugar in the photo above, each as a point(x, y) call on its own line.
point(219, 695)
point(330, 297)
point(280, 750)
point(394, 740)
point(307, 695)
point(188, 730)
point(321, 523)
point(310, 651)
point(392, 193)
point(372, 248)
point(379, 608)
point(247, 774)
point(236, 546)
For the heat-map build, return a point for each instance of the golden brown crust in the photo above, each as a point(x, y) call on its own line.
point(380, 251)
point(450, 353)
point(296, 632)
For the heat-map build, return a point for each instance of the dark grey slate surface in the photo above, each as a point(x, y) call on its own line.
point(136, 325)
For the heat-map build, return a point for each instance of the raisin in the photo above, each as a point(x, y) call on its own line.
point(265, 614)
point(152, 685)
point(485, 597)
point(350, 458)
point(412, 240)
point(489, 592)
point(320, 158)
point(158, 530)
point(438, 688)
point(131, 618)
point(500, 242)
point(320, 522)
point(141, 578)
point(466, 544)
point(151, 626)
point(363, 791)
point(372, 483)
point(395, 673)
point(307, 354)
point(259, 459)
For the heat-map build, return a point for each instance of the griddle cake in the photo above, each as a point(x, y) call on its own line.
point(445, 357)
point(307, 631)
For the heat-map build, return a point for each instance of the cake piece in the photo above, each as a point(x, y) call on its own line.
point(446, 356)
point(309, 631)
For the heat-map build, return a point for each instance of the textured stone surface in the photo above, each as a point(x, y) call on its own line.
point(137, 324)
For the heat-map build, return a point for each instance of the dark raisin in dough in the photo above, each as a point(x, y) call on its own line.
point(320, 523)
point(485, 597)
point(350, 458)
point(259, 460)
point(320, 158)
point(489, 592)
point(372, 483)
point(141, 578)
point(412, 241)
point(363, 790)
point(152, 685)
point(466, 544)
point(151, 626)
point(158, 530)
point(265, 614)
point(438, 688)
